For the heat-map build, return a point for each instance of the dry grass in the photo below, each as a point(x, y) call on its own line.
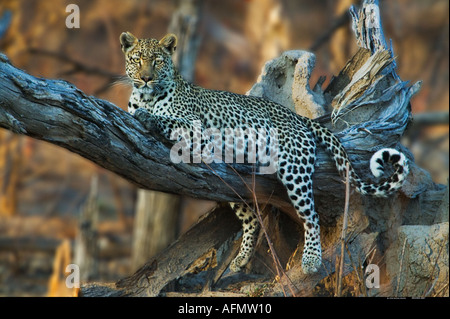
point(344, 231)
point(280, 273)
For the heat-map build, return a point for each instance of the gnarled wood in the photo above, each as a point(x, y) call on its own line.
point(371, 113)
point(57, 112)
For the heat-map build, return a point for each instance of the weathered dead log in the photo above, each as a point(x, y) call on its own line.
point(209, 242)
point(57, 112)
point(359, 109)
point(370, 111)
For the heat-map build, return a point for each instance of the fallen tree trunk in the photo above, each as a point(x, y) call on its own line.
point(370, 110)
point(57, 112)
point(364, 120)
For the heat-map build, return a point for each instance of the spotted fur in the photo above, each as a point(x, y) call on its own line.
point(172, 103)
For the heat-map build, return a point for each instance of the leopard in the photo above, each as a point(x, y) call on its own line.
point(164, 102)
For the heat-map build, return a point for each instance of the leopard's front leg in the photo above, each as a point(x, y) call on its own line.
point(163, 124)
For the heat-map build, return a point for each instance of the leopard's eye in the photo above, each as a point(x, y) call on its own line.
point(136, 60)
point(158, 61)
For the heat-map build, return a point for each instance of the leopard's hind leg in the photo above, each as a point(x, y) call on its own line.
point(295, 170)
point(250, 228)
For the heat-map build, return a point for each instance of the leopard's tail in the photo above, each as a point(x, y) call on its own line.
point(377, 163)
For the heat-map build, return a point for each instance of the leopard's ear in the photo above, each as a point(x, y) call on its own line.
point(169, 42)
point(127, 41)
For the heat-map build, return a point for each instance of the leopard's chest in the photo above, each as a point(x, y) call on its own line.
point(156, 104)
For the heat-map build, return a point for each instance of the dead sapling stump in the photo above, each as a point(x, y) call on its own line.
point(86, 252)
point(158, 214)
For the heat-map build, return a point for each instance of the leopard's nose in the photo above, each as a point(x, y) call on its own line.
point(146, 78)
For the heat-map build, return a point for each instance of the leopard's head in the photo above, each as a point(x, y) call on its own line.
point(148, 62)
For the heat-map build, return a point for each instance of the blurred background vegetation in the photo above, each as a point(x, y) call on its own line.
point(43, 188)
